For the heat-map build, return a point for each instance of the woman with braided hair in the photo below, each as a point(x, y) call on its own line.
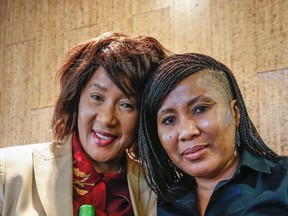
point(199, 148)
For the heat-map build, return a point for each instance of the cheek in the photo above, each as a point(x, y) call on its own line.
point(167, 139)
point(217, 122)
point(221, 129)
point(129, 125)
point(163, 134)
point(208, 126)
point(207, 123)
point(84, 110)
point(130, 129)
point(84, 115)
point(227, 124)
point(80, 119)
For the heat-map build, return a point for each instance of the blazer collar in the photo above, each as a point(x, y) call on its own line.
point(142, 198)
point(53, 174)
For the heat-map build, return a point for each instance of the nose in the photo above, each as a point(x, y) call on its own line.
point(107, 116)
point(188, 129)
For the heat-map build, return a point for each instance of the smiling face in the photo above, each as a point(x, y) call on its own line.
point(196, 126)
point(106, 122)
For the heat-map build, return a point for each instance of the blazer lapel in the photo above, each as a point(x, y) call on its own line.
point(53, 175)
point(142, 197)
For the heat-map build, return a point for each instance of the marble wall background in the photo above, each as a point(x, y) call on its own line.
point(248, 36)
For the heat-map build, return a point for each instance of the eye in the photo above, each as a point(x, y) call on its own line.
point(127, 106)
point(96, 97)
point(169, 120)
point(201, 109)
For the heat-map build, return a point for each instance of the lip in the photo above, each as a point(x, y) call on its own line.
point(195, 153)
point(102, 138)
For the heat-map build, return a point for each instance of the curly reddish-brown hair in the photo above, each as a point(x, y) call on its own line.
point(127, 60)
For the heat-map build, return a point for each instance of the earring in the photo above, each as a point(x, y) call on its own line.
point(236, 143)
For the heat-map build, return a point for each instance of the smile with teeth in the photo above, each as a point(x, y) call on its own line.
point(103, 137)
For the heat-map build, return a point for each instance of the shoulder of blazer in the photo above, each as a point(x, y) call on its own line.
point(54, 149)
point(50, 164)
point(18, 157)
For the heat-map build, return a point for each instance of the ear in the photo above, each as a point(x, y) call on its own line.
point(236, 112)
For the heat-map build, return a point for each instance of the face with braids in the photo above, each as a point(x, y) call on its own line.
point(196, 125)
point(191, 111)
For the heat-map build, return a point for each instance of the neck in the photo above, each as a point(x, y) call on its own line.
point(108, 169)
point(105, 167)
point(206, 185)
point(209, 183)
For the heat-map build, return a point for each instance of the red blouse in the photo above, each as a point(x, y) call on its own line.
point(107, 192)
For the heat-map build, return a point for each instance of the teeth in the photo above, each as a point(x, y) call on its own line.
point(103, 137)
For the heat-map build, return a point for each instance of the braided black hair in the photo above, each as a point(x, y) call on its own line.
point(160, 170)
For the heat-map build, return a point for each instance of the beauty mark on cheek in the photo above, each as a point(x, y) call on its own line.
point(165, 136)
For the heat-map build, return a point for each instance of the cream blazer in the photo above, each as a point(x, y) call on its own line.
point(36, 179)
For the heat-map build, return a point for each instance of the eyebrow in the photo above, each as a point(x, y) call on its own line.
point(189, 103)
point(97, 85)
point(194, 100)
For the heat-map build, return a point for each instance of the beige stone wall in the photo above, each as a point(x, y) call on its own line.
point(250, 37)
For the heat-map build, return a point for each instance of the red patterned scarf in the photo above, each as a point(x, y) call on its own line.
point(108, 192)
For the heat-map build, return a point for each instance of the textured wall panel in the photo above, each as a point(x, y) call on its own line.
point(156, 24)
point(20, 20)
point(273, 104)
point(144, 6)
point(248, 36)
point(272, 34)
point(16, 101)
point(40, 123)
point(47, 52)
point(191, 26)
point(108, 15)
point(234, 44)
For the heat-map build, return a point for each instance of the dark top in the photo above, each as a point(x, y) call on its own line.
point(258, 187)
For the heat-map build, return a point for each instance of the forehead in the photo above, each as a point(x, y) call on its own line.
point(102, 81)
point(206, 79)
point(215, 81)
point(203, 83)
point(212, 78)
point(99, 75)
